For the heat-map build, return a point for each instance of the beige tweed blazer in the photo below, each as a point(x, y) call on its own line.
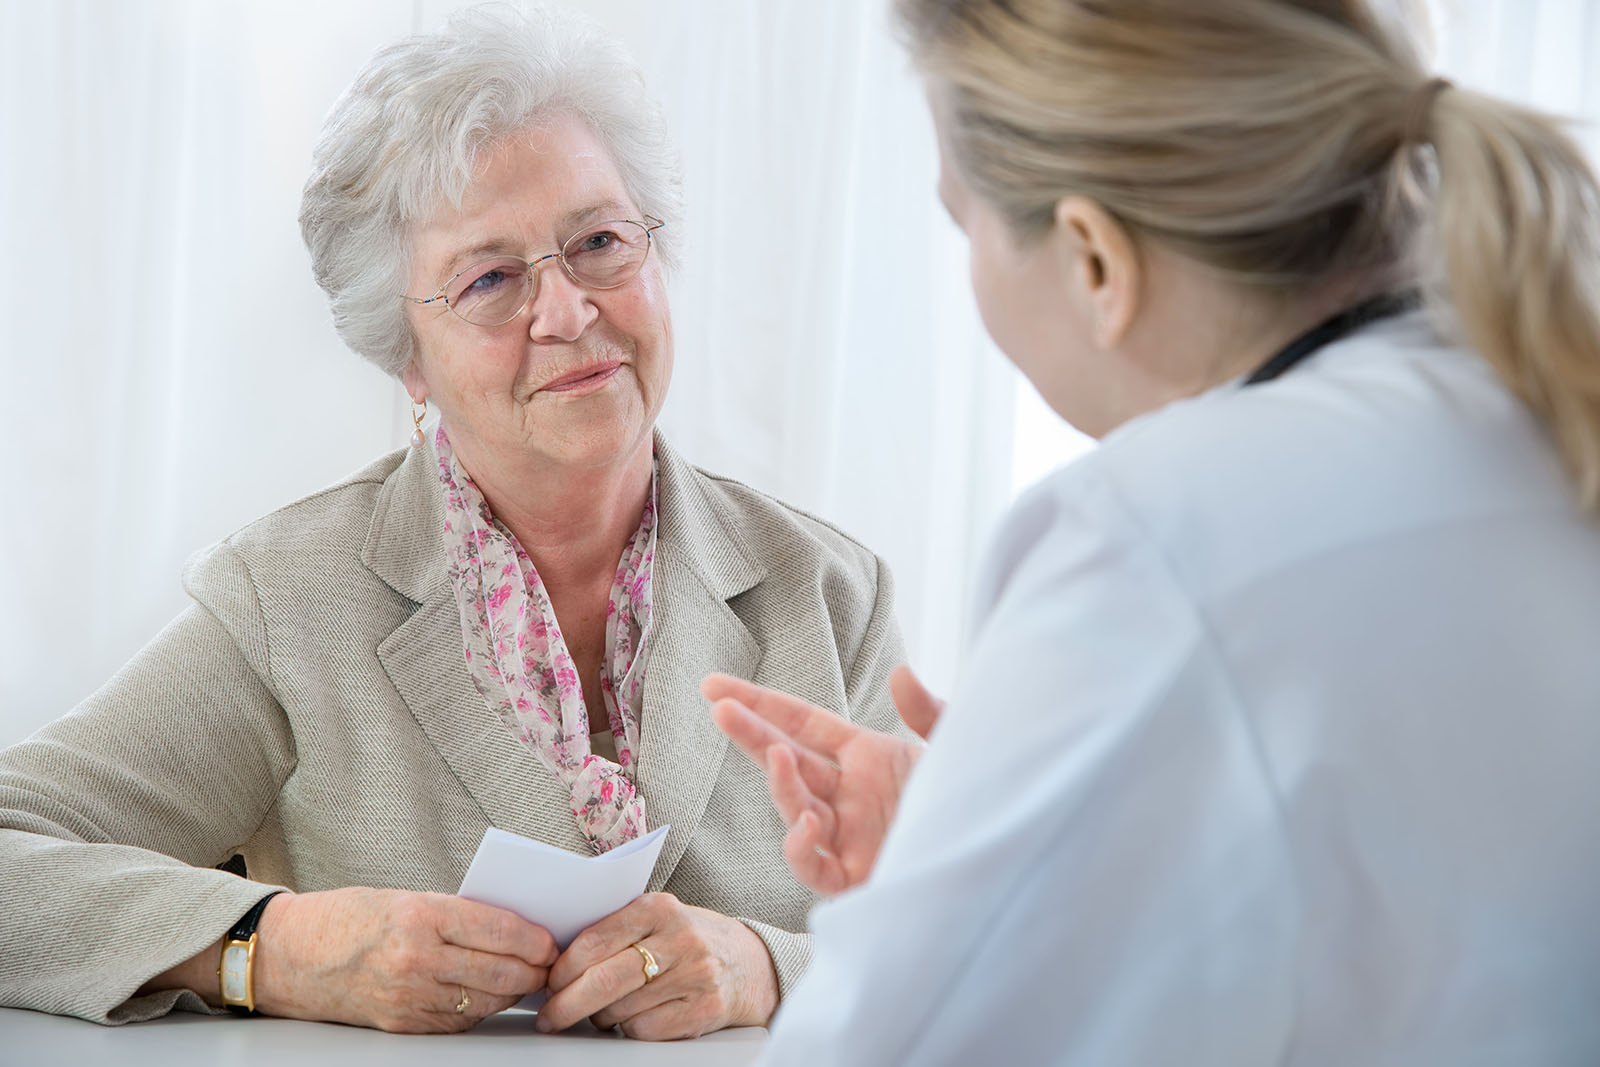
point(312, 710)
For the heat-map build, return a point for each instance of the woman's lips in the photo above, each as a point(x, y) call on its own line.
point(586, 379)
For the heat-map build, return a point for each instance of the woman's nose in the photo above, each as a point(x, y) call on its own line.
point(562, 309)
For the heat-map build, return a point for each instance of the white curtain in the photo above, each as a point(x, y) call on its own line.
point(172, 372)
point(1540, 52)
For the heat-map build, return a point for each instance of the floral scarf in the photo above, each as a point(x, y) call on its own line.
point(519, 661)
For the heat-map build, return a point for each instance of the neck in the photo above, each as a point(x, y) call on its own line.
point(573, 521)
point(1207, 332)
point(1269, 330)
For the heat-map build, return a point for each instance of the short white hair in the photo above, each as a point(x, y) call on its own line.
point(406, 137)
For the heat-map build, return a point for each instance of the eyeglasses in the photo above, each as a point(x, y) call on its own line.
point(494, 291)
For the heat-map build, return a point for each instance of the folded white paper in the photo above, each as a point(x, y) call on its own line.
point(561, 891)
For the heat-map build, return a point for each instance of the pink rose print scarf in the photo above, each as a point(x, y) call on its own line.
point(519, 661)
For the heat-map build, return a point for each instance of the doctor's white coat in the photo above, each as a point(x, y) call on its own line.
point(1279, 743)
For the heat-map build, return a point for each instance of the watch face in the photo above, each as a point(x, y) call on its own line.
point(236, 973)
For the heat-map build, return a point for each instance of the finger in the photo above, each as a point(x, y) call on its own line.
point(716, 687)
point(668, 1021)
point(811, 726)
point(754, 736)
point(474, 925)
point(475, 1005)
point(501, 975)
point(653, 993)
point(608, 937)
point(918, 708)
point(813, 865)
point(596, 989)
point(789, 792)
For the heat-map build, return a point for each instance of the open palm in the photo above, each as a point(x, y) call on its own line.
point(836, 784)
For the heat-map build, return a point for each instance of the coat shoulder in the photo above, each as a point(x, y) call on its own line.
point(781, 530)
point(329, 526)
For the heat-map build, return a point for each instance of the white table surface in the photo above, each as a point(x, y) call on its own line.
point(33, 1039)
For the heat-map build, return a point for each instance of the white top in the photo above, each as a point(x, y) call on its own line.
point(1308, 675)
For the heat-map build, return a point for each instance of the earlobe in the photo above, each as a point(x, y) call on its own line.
point(416, 387)
point(1109, 266)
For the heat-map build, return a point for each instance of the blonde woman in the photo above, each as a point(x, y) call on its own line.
point(1277, 740)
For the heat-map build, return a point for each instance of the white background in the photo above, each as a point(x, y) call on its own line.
point(171, 373)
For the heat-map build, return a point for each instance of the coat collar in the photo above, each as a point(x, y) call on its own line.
point(702, 562)
point(405, 539)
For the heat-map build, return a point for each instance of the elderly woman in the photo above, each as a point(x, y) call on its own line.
point(1277, 742)
point(504, 626)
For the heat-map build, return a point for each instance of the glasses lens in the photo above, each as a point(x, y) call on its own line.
point(491, 292)
point(607, 254)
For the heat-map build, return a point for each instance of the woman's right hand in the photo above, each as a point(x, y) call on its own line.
point(394, 960)
point(836, 784)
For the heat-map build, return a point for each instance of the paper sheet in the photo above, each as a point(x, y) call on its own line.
point(561, 891)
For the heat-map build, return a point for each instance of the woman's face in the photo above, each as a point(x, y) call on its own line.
point(579, 375)
point(1024, 295)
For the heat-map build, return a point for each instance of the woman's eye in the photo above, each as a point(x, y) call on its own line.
point(486, 282)
point(598, 241)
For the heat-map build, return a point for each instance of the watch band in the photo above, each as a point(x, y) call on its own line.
point(236, 971)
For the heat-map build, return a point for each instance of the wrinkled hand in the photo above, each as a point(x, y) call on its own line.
point(715, 972)
point(836, 784)
point(395, 960)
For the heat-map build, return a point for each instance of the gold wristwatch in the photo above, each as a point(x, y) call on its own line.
point(236, 974)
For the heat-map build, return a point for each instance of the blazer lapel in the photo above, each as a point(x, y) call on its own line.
point(700, 565)
point(424, 659)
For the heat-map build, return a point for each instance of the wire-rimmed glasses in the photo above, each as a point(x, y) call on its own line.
point(493, 291)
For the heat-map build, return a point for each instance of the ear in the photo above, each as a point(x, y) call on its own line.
point(1103, 264)
point(416, 385)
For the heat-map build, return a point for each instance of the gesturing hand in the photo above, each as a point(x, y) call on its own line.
point(713, 972)
point(395, 960)
point(836, 784)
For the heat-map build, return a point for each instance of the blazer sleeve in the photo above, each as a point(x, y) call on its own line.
point(867, 702)
point(881, 650)
point(113, 817)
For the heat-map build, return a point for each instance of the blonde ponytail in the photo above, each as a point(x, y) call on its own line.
point(1284, 144)
point(1517, 233)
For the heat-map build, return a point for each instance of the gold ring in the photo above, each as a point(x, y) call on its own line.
point(651, 967)
point(464, 1003)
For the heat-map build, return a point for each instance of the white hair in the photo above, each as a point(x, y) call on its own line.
point(407, 135)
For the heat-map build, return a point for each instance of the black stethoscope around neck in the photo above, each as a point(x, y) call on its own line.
point(1382, 306)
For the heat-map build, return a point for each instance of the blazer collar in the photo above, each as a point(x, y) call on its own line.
point(705, 532)
point(703, 561)
point(405, 539)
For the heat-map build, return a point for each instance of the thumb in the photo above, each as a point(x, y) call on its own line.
point(919, 708)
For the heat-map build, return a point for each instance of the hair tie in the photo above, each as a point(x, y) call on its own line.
point(1420, 110)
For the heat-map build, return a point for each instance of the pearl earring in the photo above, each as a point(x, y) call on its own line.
point(416, 420)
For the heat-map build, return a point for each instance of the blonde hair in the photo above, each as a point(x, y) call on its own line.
point(1290, 144)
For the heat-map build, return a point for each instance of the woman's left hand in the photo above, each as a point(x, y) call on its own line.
point(715, 972)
